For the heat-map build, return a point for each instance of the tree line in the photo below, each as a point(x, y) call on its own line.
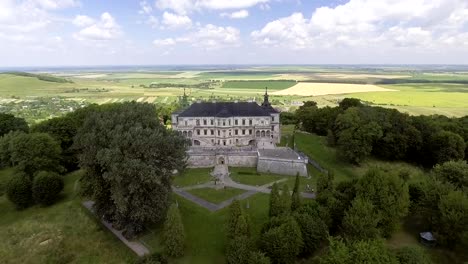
point(359, 131)
point(127, 155)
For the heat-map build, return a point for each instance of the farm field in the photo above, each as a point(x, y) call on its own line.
point(315, 89)
point(417, 91)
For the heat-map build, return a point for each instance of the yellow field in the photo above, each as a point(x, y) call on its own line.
point(359, 76)
point(315, 89)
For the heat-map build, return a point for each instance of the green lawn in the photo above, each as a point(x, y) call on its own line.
point(192, 177)
point(316, 147)
point(205, 230)
point(250, 176)
point(216, 196)
point(73, 235)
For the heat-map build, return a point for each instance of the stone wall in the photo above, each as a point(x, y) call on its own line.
point(245, 160)
point(210, 159)
point(199, 160)
point(282, 166)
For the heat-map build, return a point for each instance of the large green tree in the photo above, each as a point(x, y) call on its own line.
point(446, 146)
point(452, 227)
point(453, 172)
point(129, 158)
point(356, 134)
point(389, 194)
point(35, 152)
point(358, 252)
point(282, 241)
point(313, 229)
point(361, 220)
point(9, 122)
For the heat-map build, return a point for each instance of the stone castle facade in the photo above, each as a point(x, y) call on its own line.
point(229, 124)
point(238, 134)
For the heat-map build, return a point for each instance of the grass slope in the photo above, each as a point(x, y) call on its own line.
point(216, 196)
point(71, 235)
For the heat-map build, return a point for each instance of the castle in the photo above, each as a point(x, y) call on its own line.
point(239, 134)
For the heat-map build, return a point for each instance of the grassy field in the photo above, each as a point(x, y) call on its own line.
point(216, 196)
point(250, 176)
point(206, 238)
point(315, 89)
point(192, 177)
point(435, 94)
point(71, 235)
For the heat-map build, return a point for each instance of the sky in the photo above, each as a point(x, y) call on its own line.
point(167, 32)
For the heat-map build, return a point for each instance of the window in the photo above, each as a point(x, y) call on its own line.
point(250, 131)
point(204, 122)
point(219, 133)
point(235, 132)
point(272, 128)
point(224, 122)
point(272, 118)
point(243, 122)
point(198, 131)
point(211, 121)
point(212, 132)
point(250, 122)
point(198, 122)
point(205, 132)
point(190, 133)
point(235, 122)
point(185, 122)
point(237, 140)
point(229, 121)
point(243, 131)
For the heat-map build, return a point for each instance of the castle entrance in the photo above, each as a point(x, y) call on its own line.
point(221, 160)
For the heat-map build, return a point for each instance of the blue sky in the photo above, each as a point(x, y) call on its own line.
point(90, 32)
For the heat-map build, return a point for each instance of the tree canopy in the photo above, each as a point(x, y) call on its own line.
point(129, 158)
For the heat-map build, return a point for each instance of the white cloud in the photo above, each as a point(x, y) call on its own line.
point(104, 29)
point(363, 23)
point(56, 4)
point(292, 31)
point(152, 21)
point(188, 6)
point(214, 37)
point(82, 21)
point(164, 42)
point(208, 37)
point(145, 8)
point(237, 14)
point(176, 21)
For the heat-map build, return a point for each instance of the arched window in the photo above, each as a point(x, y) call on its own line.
point(268, 133)
point(190, 133)
point(198, 122)
point(196, 143)
point(185, 133)
point(257, 134)
point(263, 133)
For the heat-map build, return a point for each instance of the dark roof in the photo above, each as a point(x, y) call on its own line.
point(225, 109)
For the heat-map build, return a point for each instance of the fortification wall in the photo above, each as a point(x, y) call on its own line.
point(211, 158)
point(282, 166)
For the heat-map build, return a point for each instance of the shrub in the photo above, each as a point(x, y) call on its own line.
point(257, 257)
point(19, 190)
point(174, 234)
point(412, 255)
point(155, 258)
point(46, 187)
point(238, 250)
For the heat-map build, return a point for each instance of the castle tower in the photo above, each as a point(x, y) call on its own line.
point(266, 103)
